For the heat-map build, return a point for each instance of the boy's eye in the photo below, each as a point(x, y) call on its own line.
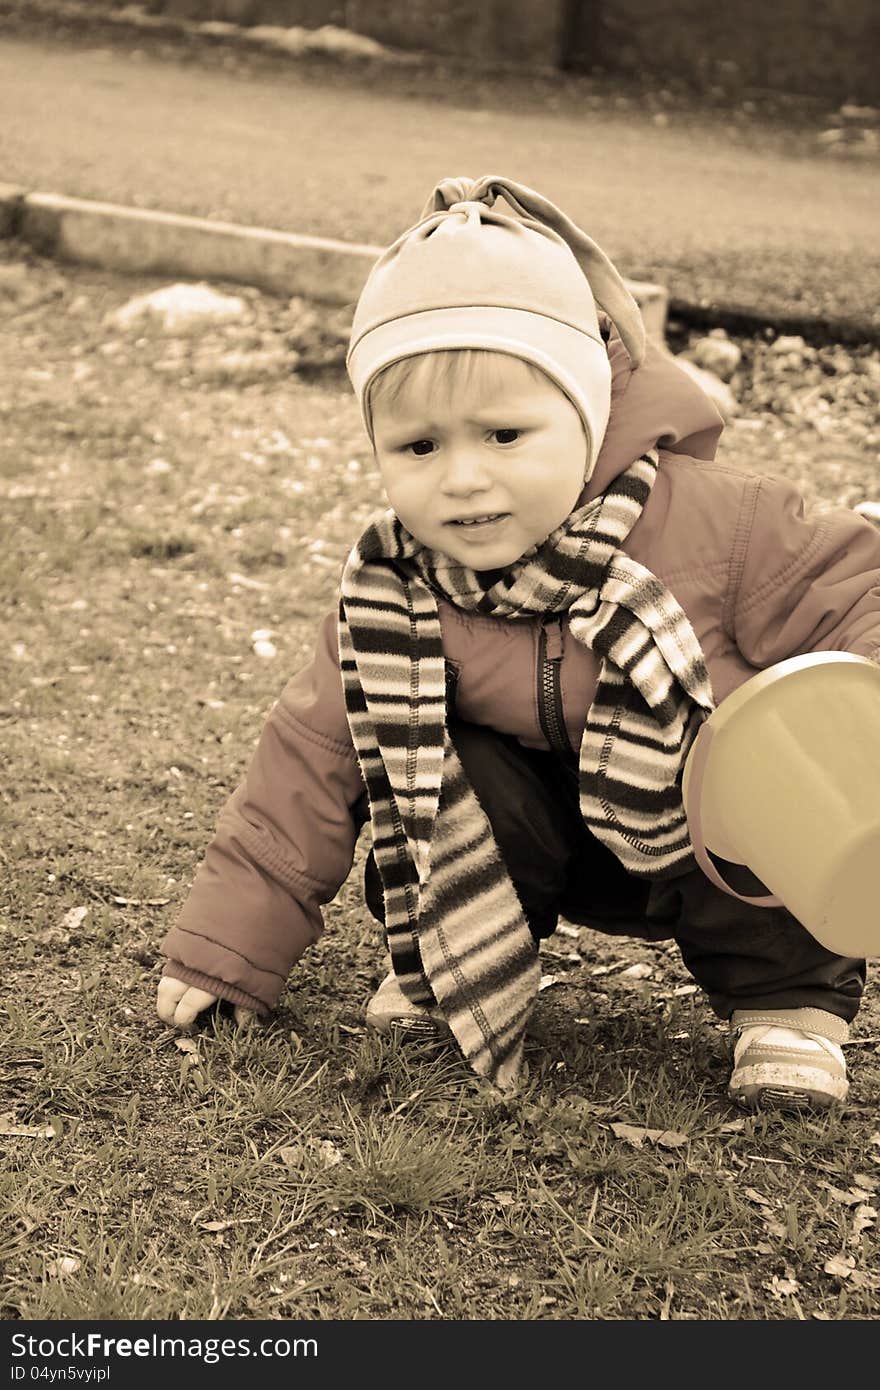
point(421, 447)
point(507, 436)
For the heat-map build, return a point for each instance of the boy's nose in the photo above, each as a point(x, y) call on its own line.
point(465, 473)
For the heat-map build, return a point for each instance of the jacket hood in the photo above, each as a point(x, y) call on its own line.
point(655, 405)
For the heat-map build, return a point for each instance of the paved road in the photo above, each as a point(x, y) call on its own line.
point(718, 210)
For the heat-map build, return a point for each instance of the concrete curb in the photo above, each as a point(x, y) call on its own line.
point(131, 240)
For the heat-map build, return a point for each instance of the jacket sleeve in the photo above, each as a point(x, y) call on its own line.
point(808, 579)
point(283, 846)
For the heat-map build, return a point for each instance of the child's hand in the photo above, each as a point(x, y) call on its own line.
point(179, 1005)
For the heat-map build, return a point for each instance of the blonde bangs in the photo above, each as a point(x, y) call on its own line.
point(441, 375)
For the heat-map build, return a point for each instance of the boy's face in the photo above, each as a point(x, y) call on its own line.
point(483, 475)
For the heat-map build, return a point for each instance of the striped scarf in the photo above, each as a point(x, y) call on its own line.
point(454, 923)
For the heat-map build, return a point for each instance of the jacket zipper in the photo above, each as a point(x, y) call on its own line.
point(550, 712)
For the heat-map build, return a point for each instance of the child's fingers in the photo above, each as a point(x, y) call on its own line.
point(179, 1005)
point(191, 1005)
point(168, 995)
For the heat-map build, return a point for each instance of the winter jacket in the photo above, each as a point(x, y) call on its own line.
point(760, 577)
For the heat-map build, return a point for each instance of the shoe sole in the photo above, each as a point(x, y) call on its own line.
point(778, 1098)
point(808, 1089)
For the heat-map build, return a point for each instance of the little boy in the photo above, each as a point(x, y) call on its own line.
point(564, 587)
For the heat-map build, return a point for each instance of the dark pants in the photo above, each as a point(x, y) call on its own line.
point(743, 957)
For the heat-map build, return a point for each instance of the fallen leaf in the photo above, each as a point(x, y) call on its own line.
point(866, 1181)
point(67, 1264)
point(639, 971)
point(849, 1198)
point(774, 1227)
point(51, 936)
point(74, 918)
point(9, 1126)
point(636, 1135)
point(781, 1288)
point(225, 1225)
point(327, 1152)
point(755, 1196)
point(668, 1138)
point(841, 1265)
point(291, 1154)
point(631, 1134)
point(548, 980)
point(571, 957)
point(864, 1218)
point(142, 902)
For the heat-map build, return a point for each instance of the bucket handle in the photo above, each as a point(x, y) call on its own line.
point(699, 758)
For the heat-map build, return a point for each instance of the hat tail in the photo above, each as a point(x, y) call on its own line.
point(605, 281)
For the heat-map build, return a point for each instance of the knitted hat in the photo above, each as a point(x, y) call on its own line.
point(471, 276)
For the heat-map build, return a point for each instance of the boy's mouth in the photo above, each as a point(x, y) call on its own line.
point(487, 519)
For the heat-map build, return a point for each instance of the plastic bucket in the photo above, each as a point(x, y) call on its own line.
point(784, 779)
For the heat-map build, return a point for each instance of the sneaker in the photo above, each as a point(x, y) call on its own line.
point(389, 1011)
point(787, 1058)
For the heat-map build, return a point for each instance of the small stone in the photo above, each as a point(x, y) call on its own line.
point(716, 354)
point(860, 115)
point(180, 309)
point(788, 343)
point(262, 644)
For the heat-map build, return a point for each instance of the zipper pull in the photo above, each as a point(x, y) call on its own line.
point(553, 631)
